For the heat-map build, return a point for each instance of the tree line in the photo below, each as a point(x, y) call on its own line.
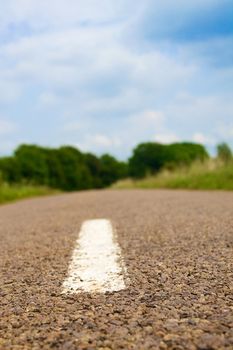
point(64, 168)
point(69, 169)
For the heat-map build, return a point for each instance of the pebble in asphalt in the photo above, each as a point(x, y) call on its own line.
point(177, 246)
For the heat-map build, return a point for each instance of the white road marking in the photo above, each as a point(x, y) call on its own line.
point(96, 265)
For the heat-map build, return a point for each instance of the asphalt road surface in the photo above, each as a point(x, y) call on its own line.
point(176, 247)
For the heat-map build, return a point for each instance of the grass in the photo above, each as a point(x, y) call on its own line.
point(210, 175)
point(9, 193)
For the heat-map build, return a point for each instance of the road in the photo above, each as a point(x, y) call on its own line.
point(177, 250)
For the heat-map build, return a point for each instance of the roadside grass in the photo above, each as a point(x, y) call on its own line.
point(211, 175)
point(9, 193)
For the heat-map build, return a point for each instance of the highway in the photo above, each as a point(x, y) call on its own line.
point(110, 269)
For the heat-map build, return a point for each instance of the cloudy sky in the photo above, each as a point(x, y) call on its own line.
point(104, 75)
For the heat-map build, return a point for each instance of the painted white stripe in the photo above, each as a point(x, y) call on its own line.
point(96, 265)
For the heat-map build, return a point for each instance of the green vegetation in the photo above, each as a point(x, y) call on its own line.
point(179, 165)
point(34, 170)
point(149, 158)
point(10, 193)
point(65, 168)
point(208, 175)
point(224, 153)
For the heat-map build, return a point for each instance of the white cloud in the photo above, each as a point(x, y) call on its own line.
point(10, 89)
point(166, 138)
point(79, 64)
point(225, 132)
point(49, 14)
point(103, 141)
point(48, 99)
point(75, 126)
point(205, 111)
point(6, 147)
point(99, 143)
point(148, 118)
point(87, 58)
point(203, 139)
point(7, 127)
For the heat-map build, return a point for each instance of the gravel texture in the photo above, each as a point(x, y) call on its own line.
point(177, 246)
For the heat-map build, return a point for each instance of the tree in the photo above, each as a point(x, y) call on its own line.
point(76, 173)
point(184, 153)
point(66, 168)
point(56, 173)
point(111, 170)
point(9, 169)
point(147, 158)
point(93, 163)
point(224, 152)
point(32, 163)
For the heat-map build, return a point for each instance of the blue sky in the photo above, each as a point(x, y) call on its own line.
point(104, 75)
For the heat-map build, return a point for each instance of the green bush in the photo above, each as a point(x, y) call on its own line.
point(150, 158)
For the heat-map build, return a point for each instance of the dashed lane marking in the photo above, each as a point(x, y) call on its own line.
point(96, 265)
